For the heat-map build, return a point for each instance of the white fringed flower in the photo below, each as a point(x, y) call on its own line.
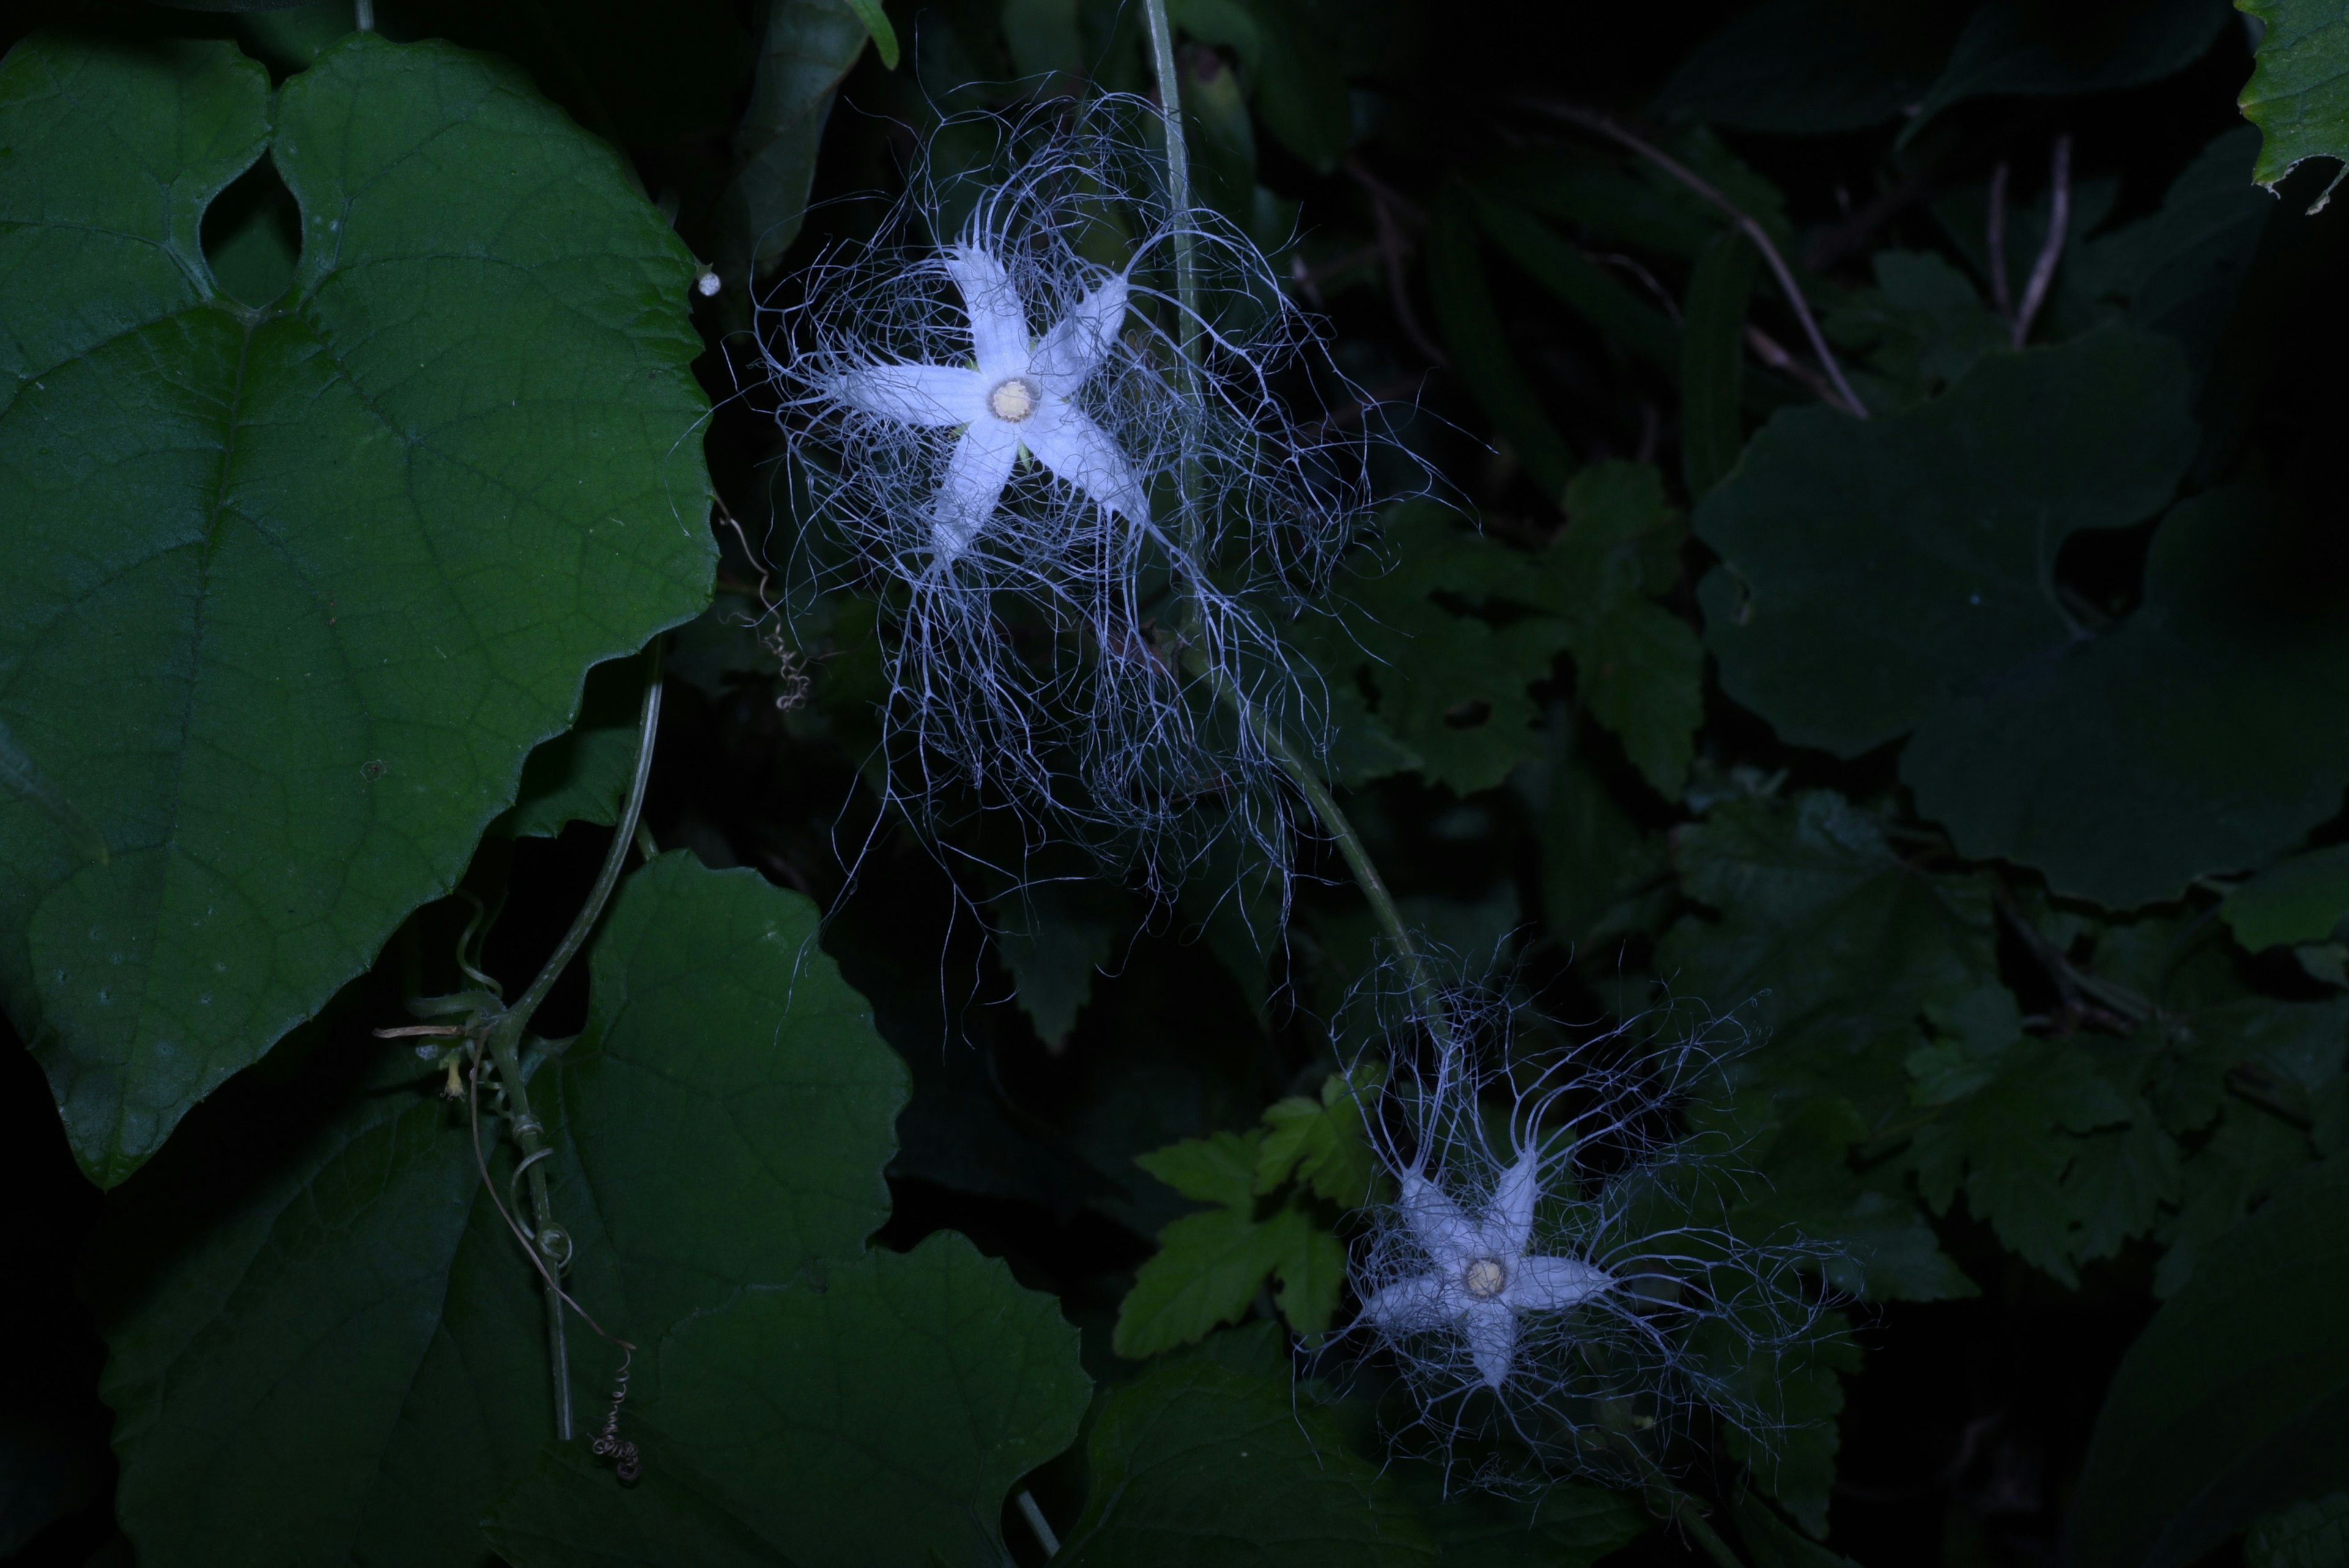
point(1482, 1277)
point(1556, 1284)
point(1018, 399)
point(1079, 540)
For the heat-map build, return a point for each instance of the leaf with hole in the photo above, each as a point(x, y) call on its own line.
point(298, 588)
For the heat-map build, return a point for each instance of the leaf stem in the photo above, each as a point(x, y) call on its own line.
point(552, 1242)
point(1267, 730)
point(1592, 121)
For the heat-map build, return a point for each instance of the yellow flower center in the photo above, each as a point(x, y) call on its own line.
point(1484, 1278)
point(1012, 400)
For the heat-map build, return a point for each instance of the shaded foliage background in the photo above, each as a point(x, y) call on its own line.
point(1987, 752)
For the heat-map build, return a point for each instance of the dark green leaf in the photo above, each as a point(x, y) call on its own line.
point(1813, 68)
point(582, 774)
point(1193, 1462)
point(1803, 1392)
point(1878, 571)
point(1583, 283)
point(1567, 1525)
point(1206, 1272)
point(2017, 48)
point(1712, 361)
point(1058, 936)
point(1480, 349)
point(1300, 77)
point(297, 590)
point(2306, 1535)
point(2299, 92)
point(353, 1349)
point(1776, 1544)
point(572, 1512)
point(2182, 269)
point(2302, 899)
point(807, 51)
point(2235, 1401)
point(2191, 718)
point(876, 1414)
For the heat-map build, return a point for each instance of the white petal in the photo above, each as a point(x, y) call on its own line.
point(999, 326)
point(1545, 1284)
point(1409, 1305)
point(1437, 1224)
point(1068, 354)
point(915, 394)
point(973, 484)
point(1067, 442)
point(1510, 1223)
point(1491, 1330)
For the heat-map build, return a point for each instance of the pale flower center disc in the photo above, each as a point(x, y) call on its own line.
point(1012, 400)
point(1484, 1278)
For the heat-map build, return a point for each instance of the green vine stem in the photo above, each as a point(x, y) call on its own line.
point(1299, 767)
point(501, 1045)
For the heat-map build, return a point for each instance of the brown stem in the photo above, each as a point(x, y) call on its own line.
point(2050, 249)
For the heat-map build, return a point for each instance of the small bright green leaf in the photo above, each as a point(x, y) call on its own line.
point(2306, 1535)
point(296, 590)
point(2302, 899)
point(1216, 1170)
point(1712, 360)
point(1193, 1462)
point(353, 1350)
point(1318, 1144)
point(1877, 571)
point(2235, 1401)
point(877, 24)
point(1206, 1272)
point(2299, 92)
point(1480, 348)
point(2017, 48)
point(808, 51)
point(1309, 1275)
point(880, 1413)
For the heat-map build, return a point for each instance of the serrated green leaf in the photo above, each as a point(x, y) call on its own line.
point(1219, 1169)
point(2062, 1164)
point(1808, 1187)
point(1712, 360)
point(1320, 1143)
point(297, 590)
point(2306, 1535)
point(1844, 943)
point(2298, 95)
point(352, 1350)
point(1057, 938)
point(1309, 1275)
point(2303, 899)
point(1794, 1460)
point(1206, 1272)
point(1195, 1462)
point(807, 51)
point(2235, 1399)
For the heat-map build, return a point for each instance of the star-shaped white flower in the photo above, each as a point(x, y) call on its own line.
point(1017, 397)
point(1482, 1277)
